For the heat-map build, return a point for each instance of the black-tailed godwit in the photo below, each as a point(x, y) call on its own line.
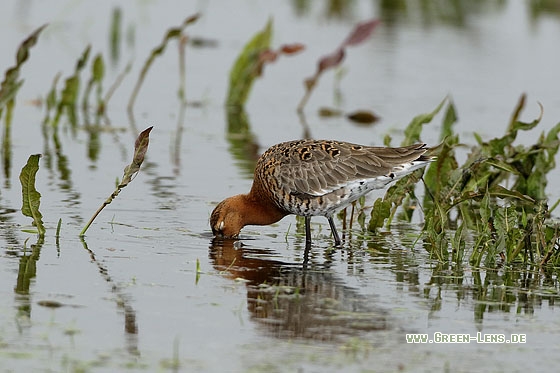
point(313, 178)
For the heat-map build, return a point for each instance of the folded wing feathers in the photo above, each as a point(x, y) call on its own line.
point(324, 173)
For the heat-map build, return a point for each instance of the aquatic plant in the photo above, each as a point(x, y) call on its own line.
point(130, 171)
point(250, 63)
point(172, 33)
point(492, 207)
point(359, 34)
point(11, 83)
point(31, 198)
point(8, 91)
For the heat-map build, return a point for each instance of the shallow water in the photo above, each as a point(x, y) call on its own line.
point(129, 296)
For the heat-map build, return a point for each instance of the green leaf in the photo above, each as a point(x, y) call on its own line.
point(171, 34)
point(438, 175)
point(97, 73)
point(414, 128)
point(515, 124)
point(458, 241)
point(82, 61)
point(115, 33)
point(501, 192)
point(398, 191)
point(248, 66)
point(449, 120)
point(30, 196)
point(504, 166)
point(70, 93)
point(500, 146)
point(381, 211)
point(98, 68)
point(10, 85)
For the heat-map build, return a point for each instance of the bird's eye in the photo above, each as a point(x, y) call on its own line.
point(218, 228)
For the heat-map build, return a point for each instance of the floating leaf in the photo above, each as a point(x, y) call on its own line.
point(140, 149)
point(30, 196)
point(329, 112)
point(363, 117)
point(292, 48)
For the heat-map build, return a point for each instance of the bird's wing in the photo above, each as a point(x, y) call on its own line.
point(318, 167)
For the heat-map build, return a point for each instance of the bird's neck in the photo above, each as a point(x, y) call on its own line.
point(260, 210)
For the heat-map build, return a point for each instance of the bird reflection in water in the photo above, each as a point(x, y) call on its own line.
point(291, 300)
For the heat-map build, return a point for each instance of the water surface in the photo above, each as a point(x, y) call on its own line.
point(128, 296)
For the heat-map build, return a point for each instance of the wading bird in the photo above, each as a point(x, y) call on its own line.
point(313, 178)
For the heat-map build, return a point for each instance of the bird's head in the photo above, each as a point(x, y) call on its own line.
point(226, 219)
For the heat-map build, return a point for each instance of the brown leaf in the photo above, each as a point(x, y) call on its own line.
point(363, 117)
point(310, 83)
point(267, 56)
point(292, 48)
point(331, 60)
point(141, 146)
point(361, 32)
point(191, 19)
point(329, 112)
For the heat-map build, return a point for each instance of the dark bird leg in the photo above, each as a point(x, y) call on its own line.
point(306, 255)
point(307, 232)
point(337, 241)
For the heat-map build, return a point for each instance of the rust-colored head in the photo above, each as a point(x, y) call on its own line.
point(227, 219)
point(235, 212)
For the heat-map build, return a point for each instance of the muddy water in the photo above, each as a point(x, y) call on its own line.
point(148, 289)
